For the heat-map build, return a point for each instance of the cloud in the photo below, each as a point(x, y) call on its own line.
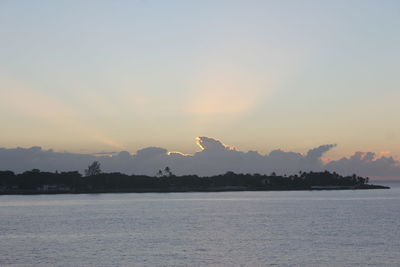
point(367, 164)
point(214, 158)
point(316, 153)
point(150, 153)
point(206, 143)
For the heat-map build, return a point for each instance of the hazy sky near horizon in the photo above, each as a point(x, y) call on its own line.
point(91, 76)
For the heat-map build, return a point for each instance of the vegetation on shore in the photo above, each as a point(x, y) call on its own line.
point(94, 181)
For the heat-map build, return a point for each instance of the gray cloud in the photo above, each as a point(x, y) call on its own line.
point(316, 153)
point(366, 164)
point(214, 158)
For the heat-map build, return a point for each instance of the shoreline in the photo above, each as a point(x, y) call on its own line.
point(193, 190)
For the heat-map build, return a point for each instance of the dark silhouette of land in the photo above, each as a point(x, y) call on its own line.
point(37, 182)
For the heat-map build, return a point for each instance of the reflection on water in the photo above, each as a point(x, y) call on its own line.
point(318, 228)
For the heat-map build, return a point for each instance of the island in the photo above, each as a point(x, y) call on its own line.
point(95, 181)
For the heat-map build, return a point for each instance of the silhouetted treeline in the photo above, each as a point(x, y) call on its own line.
point(35, 181)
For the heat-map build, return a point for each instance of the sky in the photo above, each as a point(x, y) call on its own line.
point(109, 76)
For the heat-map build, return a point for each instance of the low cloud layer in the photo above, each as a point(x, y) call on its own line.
point(214, 158)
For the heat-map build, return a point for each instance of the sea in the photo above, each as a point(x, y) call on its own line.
point(285, 228)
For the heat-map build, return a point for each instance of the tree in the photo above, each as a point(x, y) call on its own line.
point(167, 171)
point(93, 169)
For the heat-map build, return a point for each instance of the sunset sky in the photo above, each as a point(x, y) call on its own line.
point(96, 76)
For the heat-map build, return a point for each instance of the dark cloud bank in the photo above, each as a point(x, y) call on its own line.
point(214, 158)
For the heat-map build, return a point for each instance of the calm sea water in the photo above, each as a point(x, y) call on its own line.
point(318, 228)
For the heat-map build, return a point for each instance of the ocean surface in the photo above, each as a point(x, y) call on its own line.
point(303, 228)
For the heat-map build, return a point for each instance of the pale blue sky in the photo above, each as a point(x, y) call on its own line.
point(88, 76)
